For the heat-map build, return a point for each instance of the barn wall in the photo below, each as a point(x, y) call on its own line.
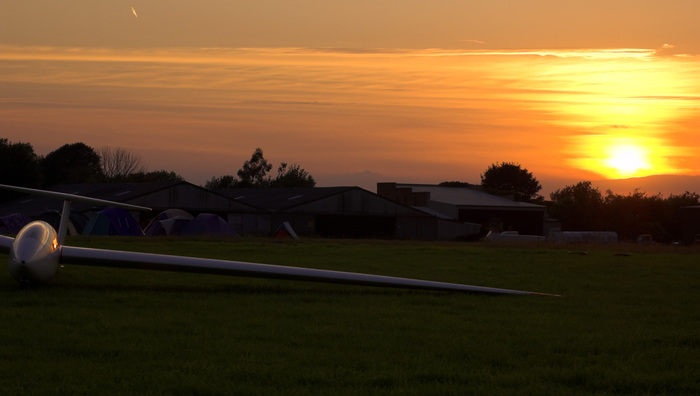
point(356, 226)
point(526, 222)
point(444, 208)
point(250, 223)
point(302, 223)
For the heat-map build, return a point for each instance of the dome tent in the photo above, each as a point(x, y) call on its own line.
point(167, 227)
point(11, 224)
point(113, 221)
point(76, 225)
point(208, 224)
point(168, 222)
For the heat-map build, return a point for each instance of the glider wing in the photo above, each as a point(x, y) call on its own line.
point(136, 260)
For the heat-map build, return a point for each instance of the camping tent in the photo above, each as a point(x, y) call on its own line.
point(13, 223)
point(171, 213)
point(77, 222)
point(112, 221)
point(168, 222)
point(284, 231)
point(208, 224)
point(172, 226)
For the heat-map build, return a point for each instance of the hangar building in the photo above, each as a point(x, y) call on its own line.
point(491, 212)
point(340, 212)
point(332, 211)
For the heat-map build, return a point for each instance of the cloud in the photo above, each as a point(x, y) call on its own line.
point(474, 41)
point(672, 50)
point(133, 11)
point(284, 102)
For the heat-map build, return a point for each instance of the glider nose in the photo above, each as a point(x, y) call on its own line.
point(34, 254)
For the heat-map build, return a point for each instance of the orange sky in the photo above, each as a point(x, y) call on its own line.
point(196, 93)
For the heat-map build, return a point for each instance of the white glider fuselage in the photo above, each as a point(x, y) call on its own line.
point(35, 254)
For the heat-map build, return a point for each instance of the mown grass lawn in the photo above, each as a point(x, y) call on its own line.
point(625, 324)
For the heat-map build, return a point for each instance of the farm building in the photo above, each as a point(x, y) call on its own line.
point(491, 212)
point(341, 212)
point(333, 211)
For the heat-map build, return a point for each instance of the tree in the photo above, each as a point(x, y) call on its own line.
point(294, 176)
point(19, 166)
point(510, 177)
point(118, 163)
point(154, 177)
point(672, 217)
point(634, 214)
point(579, 207)
point(253, 172)
point(222, 182)
point(456, 184)
point(72, 163)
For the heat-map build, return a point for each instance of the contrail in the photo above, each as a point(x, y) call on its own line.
point(133, 11)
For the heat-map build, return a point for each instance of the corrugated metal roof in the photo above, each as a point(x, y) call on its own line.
point(34, 205)
point(433, 212)
point(282, 198)
point(468, 197)
point(118, 192)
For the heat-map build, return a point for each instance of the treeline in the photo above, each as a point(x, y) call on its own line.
point(73, 163)
point(79, 163)
point(581, 207)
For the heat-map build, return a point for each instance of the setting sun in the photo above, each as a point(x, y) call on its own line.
point(627, 160)
point(621, 157)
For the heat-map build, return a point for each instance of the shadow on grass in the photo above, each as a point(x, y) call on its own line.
point(253, 287)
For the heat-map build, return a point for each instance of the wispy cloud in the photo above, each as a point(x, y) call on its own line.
point(228, 55)
point(474, 41)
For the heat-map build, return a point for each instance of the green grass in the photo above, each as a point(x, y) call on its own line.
point(625, 324)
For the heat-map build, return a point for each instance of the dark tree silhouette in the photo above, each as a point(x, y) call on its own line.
point(153, 177)
point(19, 166)
point(508, 177)
point(221, 182)
point(455, 184)
point(72, 163)
point(633, 214)
point(253, 173)
point(118, 163)
point(579, 207)
point(292, 176)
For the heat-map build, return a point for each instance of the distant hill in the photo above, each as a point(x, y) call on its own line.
point(651, 185)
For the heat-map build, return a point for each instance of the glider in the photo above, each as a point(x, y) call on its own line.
point(38, 250)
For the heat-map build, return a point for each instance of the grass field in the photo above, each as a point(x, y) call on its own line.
point(625, 324)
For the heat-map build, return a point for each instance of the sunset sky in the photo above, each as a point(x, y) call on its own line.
point(363, 91)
